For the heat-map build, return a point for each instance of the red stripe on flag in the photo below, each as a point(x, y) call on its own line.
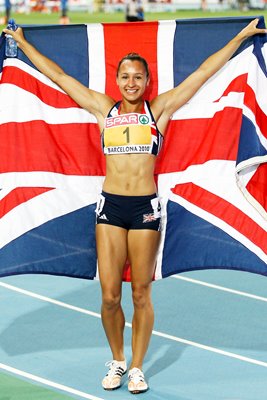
point(120, 41)
point(250, 101)
point(225, 211)
point(18, 196)
point(47, 94)
point(199, 140)
point(257, 185)
point(236, 85)
point(72, 149)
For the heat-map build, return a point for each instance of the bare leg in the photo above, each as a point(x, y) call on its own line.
point(112, 254)
point(142, 248)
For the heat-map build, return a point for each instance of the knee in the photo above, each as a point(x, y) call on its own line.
point(111, 301)
point(141, 295)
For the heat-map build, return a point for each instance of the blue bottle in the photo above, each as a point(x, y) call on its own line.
point(11, 44)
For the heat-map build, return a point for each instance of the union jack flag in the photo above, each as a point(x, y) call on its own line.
point(211, 172)
point(148, 217)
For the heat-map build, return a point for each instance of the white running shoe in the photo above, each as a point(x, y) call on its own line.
point(137, 383)
point(116, 370)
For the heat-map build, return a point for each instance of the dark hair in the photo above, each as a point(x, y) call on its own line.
point(134, 57)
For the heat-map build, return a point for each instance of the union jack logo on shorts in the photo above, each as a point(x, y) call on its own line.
point(148, 217)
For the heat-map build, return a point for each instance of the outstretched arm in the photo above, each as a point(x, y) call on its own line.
point(95, 102)
point(164, 105)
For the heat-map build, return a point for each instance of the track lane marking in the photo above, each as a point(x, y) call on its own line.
point(218, 287)
point(129, 325)
point(49, 383)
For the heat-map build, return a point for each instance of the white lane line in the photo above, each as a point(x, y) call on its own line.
point(240, 293)
point(212, 349)
point(49, 300)
point(48, 382)
point(129, 325)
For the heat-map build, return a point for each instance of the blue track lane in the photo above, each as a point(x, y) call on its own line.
point(69, 347)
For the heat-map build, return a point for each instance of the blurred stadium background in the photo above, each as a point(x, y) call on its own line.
point(89, 11)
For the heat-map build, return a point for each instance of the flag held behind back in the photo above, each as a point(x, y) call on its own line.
point(211, 172)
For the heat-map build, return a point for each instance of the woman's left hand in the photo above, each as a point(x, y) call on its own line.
point(251, 29)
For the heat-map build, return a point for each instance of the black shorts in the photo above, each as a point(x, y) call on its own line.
point(129, 212)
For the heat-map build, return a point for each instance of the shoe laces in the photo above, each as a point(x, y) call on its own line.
point(136, 375)
point(115, 369)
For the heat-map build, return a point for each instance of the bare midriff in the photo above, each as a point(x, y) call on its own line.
point(130, 174)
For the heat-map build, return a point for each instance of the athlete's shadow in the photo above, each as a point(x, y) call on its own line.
point(165, 356)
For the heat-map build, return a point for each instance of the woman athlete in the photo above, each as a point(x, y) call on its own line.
point(128, 210)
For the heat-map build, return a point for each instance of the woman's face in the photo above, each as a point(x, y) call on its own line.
point(132, 80)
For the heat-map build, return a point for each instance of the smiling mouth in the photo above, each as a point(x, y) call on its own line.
point(131, 90)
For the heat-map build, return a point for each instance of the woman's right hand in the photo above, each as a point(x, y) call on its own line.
point(18, 35)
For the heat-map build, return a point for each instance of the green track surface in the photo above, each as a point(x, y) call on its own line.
point(12, 388)
point(85, 17)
